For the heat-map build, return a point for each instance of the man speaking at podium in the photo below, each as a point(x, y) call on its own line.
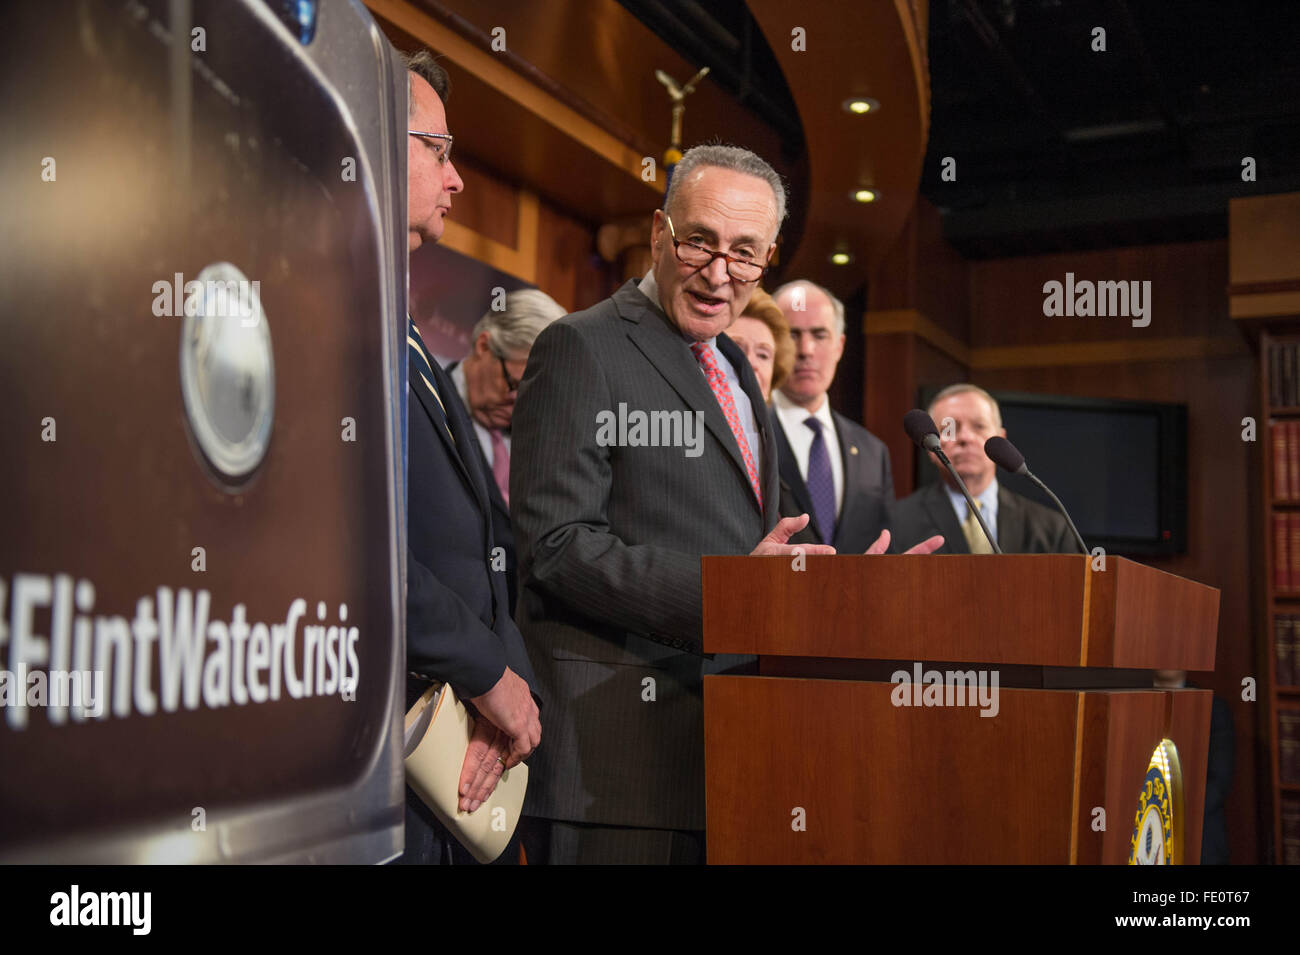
point(1019, 525)
point(611, 522)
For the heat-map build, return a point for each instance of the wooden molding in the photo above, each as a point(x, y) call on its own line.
point(910, 321)
point(1265, 305)
point(1116, 351)
point(1264, 288)
point(498, 75)
point(520, 262)
point(1106, 352)
point(1078, 775)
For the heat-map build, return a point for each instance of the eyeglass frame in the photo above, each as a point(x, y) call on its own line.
point(444, 157)
point(512, 383)
point(714, 254)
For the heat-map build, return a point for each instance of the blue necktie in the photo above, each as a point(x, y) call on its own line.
point(416, 345)
point(821, 485)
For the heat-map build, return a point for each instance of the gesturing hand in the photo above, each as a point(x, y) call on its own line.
point(787, 527)
point(927, 546)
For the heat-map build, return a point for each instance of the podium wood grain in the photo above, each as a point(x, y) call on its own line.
point(937, 785)
point(812, 761)
point(1037, 609)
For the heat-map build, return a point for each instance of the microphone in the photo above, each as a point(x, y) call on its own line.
point(1004, 454)
point(920, 428)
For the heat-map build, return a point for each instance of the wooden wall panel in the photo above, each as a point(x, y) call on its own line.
point(1188, 282)
point(568, 266)
point(889, 374)
point(1219, 392)
point(487, 205)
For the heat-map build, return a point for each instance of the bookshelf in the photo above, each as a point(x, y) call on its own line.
point(1264, 300)
point(1279, 356)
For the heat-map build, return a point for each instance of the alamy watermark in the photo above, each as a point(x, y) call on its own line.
point(210, 298)
point(651, 429)
point(81, 691)
point(974, 688)
point(130, 909)
point(1086, 298)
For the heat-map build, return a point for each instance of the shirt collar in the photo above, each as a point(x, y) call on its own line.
point(462, 387)
point(988, 501)
point(789, 411)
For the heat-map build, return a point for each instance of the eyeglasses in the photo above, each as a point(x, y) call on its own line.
point(698, 256)
point(444, 154)
point(512, 383)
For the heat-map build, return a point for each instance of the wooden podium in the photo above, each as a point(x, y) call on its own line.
point(816, 760)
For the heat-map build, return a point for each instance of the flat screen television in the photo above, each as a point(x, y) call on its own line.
point(1119, 467)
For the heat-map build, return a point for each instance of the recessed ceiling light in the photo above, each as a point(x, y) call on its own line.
point(841, 258)
point(865, 195)
point(860, 105)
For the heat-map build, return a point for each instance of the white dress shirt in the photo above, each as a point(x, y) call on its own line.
point(800, 436)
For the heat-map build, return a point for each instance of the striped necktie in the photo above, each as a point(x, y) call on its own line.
point(416, 345)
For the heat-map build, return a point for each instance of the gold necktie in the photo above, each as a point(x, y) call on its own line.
point(974, 534)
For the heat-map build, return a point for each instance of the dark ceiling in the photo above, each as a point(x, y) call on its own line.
point(722, 35)
point(1058, 147)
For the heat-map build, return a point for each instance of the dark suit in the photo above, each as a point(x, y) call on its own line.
point(610, 540)
point(868, 488)
point(502, 534)
point(458, 627)
point(1024, 526)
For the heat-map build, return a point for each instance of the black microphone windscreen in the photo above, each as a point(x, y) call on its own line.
point(918, 424)
point(1004, 454)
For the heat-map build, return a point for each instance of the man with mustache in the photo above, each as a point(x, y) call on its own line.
point(610, 537)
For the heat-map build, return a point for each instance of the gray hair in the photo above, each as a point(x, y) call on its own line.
point(964, 388)
point(513, 331)
point(836, 305)
point(726, 157)
point(421, 63)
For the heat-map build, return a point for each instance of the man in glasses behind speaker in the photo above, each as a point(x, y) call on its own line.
point(487, 381)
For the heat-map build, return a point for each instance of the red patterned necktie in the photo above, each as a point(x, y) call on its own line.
point(722, 391)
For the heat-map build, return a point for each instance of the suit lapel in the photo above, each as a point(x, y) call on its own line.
point(851, 457)
point(452, 435)
point(790, 475)
point(941, 512)
point(665, 349)
point(1011, 523)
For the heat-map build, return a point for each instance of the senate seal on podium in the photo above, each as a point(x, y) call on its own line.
point(1157, 825)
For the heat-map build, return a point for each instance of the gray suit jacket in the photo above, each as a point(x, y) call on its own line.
point(868, 488)
point(1024, 526)
point(609, 541)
